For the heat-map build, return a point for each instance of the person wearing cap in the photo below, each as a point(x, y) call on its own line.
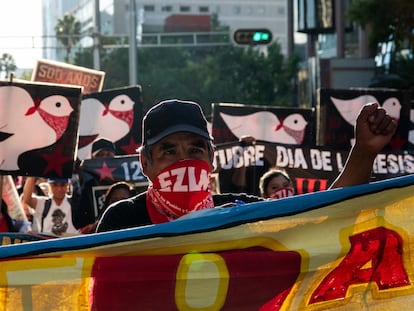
point(103, 148)
point(53, 213)
point(83, 195)
point(176, 155)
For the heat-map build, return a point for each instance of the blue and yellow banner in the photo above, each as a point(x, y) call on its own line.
point(343, 249)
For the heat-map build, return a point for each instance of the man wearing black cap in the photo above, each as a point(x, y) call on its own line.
point(103, 148)
point(177, 155)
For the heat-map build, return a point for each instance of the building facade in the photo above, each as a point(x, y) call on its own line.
point(160, 16)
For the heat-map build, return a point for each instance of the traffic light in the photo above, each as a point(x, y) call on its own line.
point(252, 36)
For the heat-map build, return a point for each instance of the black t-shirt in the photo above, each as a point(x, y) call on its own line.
point(133, 212)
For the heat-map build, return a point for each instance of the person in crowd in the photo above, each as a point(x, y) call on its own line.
point(116, 192)
point(103, 148)
point(83, 184)
point(53, 213)
point(276, 184)
point(177, 153)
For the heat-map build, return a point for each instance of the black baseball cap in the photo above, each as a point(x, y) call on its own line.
point(172, 116)
point(102, 144)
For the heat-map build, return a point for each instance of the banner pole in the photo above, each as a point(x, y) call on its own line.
point(1, 188)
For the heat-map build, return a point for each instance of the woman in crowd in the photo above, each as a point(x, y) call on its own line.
point(276, 184)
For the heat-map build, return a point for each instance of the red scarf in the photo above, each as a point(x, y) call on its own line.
point(179, 189)
point(282, 193)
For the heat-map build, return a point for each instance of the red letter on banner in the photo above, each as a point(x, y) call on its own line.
point(306, 185)
point(375, 256)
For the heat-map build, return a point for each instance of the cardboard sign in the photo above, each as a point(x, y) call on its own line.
point(63, 73)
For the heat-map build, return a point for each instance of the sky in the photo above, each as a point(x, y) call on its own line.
point(20, 22)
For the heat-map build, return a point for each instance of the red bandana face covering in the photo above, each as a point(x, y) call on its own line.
point(179, 189)
point(282, 193)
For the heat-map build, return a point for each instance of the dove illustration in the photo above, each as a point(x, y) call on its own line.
point(393, 107)
point(294, 125)
point(27, 124)
point(266, 126)
point(97, 120)
point(349, 108)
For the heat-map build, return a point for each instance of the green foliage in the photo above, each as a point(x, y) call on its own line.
point(7, 64)
point(26, 75)
point(206, 75)
point(387, 19)
point(67, 32)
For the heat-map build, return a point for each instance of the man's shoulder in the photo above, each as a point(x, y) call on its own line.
point(126, 213)
point(135, 202)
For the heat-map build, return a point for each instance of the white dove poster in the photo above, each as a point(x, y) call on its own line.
point(38, 129)
point(114, 114)
point(338, 109)
point(282, 125)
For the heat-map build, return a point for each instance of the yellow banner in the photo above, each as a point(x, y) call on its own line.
point(345, 249)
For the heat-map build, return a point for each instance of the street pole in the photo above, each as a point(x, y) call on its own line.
point(132, 44)
point(96, 34)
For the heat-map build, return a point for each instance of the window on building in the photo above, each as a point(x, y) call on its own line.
point(185, 8)
point(281, 11)
point(203, 9)
point(167, 8)
point(149, 8)
point(236, 9)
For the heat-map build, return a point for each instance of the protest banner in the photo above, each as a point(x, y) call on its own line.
point(338, 109)
point(114, 114)
point(230, 121)
point(311, 168)
point(11, 198)
point(97, 175)
point(62, 73)
point(343, 249)
point(39, 129)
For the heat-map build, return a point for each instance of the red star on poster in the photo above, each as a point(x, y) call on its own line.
point(132, 146)
point(105, 172)
point(55, 161)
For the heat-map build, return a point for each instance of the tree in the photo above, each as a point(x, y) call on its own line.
point(67, 31)
point(390, 23)
point(7, 64)
point(206, 75)
point(387, 20)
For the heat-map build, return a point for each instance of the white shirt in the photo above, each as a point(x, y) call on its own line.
point(58, 220)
